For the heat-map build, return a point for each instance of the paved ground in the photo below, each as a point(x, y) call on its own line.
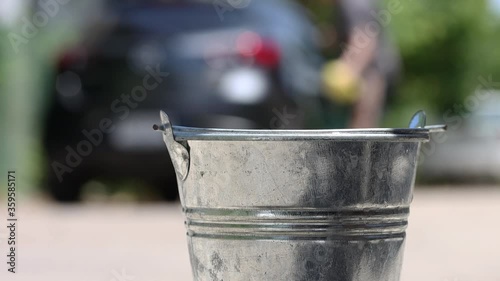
point(454, 235)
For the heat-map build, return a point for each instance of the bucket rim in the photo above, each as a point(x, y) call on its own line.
point(182, 133)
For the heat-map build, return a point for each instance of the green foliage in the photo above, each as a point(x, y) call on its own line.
point(439, 43)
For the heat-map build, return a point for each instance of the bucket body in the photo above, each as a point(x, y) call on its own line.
point(295, 205)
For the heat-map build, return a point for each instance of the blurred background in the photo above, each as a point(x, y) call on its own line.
point(82, 82)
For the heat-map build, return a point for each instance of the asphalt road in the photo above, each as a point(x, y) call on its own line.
point(454, 235)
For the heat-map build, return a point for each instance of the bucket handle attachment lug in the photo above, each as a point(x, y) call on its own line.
point(418, 121)
point(178, 153)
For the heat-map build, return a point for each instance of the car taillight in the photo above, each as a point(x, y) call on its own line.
point(72, 58)
point(264, 52)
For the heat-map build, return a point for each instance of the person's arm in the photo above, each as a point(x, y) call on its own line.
point(359, 53)
point(358, 56)
point(367, 110)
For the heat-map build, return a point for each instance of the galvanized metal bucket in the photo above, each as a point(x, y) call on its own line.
point(295, 204)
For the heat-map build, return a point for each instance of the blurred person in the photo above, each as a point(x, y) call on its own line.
point(368, 66)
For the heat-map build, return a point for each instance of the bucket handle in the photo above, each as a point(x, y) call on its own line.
point(178, 153)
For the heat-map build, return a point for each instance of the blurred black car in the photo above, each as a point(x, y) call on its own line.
point(206, 63)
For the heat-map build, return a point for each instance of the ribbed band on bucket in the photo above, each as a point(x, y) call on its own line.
point(297, 224)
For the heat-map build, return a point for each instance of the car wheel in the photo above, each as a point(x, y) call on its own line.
point(167, 189)
point(68, 190)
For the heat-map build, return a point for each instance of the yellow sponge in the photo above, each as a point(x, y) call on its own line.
point(340, 84)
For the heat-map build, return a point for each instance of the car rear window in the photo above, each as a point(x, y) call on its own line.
point(160, 17)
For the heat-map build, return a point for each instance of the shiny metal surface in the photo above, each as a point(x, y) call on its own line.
point(295, 205)
point(418, 120)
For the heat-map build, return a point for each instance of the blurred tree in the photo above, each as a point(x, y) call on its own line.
point(322, 12)
point(439, 43)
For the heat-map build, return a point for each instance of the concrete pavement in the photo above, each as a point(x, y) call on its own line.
point(454, 235)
